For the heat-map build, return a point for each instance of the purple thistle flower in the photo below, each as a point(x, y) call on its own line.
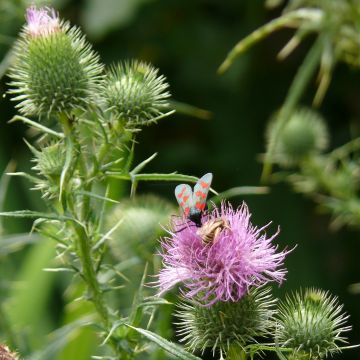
point(42, 21)
point(220, 262)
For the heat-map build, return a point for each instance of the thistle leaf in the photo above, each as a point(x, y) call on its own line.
point(172, 348)
point(36, 125)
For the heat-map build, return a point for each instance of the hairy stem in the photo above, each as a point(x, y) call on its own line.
point(83, 238)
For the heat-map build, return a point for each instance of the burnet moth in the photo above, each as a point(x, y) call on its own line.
point(193, 203)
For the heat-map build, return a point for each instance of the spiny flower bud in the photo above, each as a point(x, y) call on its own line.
point(303, 134)
point(311, 322)
point(135, 93)
point(226, 324)
point(49, 162)
point(50, 159)
point(139, 230)
point(55, 69)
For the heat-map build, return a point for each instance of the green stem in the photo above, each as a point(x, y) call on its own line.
point(236, 353)
point(83, 238)
point(292, 19)
point(297, 88)
point(89, 274)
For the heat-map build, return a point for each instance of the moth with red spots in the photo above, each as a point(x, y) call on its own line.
point(193, 203)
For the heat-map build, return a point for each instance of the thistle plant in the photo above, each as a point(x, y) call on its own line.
point(57, 78)
point(85, 120)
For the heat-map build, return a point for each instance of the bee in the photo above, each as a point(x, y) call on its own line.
point(211, 229)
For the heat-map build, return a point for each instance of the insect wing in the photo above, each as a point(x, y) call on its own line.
point(184, 197)
point(201, 190)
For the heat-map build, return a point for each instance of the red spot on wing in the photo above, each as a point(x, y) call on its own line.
point(180, 195)
point(200, 206)
point(200, 194)
point(187, 211)
point(185, 198)
point(204, 184)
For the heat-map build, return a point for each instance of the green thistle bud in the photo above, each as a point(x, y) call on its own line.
point(305, 133)
point(55, 70)
point(226, 324)
point(50, 160)
point(49, 163)
point(311, 323)
point(135, 93)
point(139, 230)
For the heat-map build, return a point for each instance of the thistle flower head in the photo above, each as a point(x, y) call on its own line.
point(41, 22)
point(312, 323)
point(239, 257)
point(135, 93)
point(55, 70)
point(226, 324)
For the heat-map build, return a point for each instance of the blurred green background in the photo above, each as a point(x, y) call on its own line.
point(187, 40)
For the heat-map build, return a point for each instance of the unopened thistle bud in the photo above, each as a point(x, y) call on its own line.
point(50, 159)
point(49, 163)
point(311, 322)
point(135, 93)
point(55, 70)
point(304, 133)
point(226, 324)
point(139, 230)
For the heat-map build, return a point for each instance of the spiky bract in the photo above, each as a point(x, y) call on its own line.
point(54, 72)
point(135, 93)
point(226, 323)
point(311, 322)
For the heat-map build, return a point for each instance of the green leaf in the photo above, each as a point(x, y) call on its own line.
point(174, 349)
point(288, 19)
point(190, 110)
point(142, 165)
point(4, 184)
point(36, 125)
point(96, 196)
point(154, 300)
point(35, 215)
point(26, 305)
point(13, 243)
point(240, 191)
point(154, 177)
point(60, 338)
